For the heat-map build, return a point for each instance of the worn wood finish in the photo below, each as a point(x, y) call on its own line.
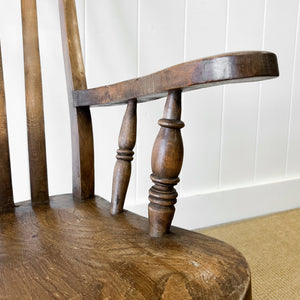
point(122, 171)
point(77, 250)
point(34, 104)
point(166, 162)
point(6, 192)
point(81, 126)
point(201, 73)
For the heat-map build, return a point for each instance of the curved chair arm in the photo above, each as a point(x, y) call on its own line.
point(201, 73)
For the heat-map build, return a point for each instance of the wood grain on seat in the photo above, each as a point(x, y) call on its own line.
point(72, 250)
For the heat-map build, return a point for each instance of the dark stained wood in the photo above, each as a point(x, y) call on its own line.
point(122, 169)
point(166, 162)
point(81, 126)
point(34, 104)
point(77, 250)
point(6, 192)
point(201, 73)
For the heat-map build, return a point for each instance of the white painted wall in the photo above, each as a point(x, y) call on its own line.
point(242, 142)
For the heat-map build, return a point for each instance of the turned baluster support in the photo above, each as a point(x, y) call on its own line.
point(166, 162)
point(122, 170)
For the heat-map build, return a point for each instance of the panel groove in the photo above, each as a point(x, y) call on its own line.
point(259, 97)
point(275, 104)
point(223, 100)
point(292, 92)
point(202, 109)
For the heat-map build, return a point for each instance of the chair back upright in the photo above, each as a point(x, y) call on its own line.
point(34, 116)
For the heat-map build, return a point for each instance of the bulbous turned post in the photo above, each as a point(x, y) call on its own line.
point(122, 170)
point(166, 162)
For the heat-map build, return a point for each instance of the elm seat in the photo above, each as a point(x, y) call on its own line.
point(79, 246)
point(69, 250)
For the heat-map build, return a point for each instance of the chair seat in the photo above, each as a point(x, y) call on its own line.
point(77, 250)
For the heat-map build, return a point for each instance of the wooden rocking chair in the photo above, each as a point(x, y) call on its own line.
point(79, 246)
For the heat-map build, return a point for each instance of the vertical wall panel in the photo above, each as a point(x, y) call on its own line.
point(161, 45)
point(202, 110)
point(111, 56)
point(281, 17)
point(13, 68)
point(245, 32)
point(293, 155)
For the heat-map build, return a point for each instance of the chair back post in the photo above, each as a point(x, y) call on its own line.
point(34, 104)
point(81, 125)
point(6, 192)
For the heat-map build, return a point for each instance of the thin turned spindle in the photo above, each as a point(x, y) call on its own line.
point(81, 123)
point(166, 162)
point(6, 193)
point(34, 104)
point(122, 171)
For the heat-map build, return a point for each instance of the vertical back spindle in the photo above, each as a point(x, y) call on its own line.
point(81, 124)
point(34, 104)
point(166, 162)
point(122, 171)
point(6, 193)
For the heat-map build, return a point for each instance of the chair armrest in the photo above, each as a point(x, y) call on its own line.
point(201, 73)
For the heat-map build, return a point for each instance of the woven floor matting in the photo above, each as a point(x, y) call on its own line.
point(271, 245)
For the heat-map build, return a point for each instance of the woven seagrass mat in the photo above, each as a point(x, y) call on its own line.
point(271, 245)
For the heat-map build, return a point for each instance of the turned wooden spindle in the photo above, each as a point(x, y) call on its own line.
point(124, 156)
point(166, 162)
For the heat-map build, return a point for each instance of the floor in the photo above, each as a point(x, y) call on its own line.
point(271, 245)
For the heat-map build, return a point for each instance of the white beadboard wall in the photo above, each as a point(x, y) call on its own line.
point(242, 142)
